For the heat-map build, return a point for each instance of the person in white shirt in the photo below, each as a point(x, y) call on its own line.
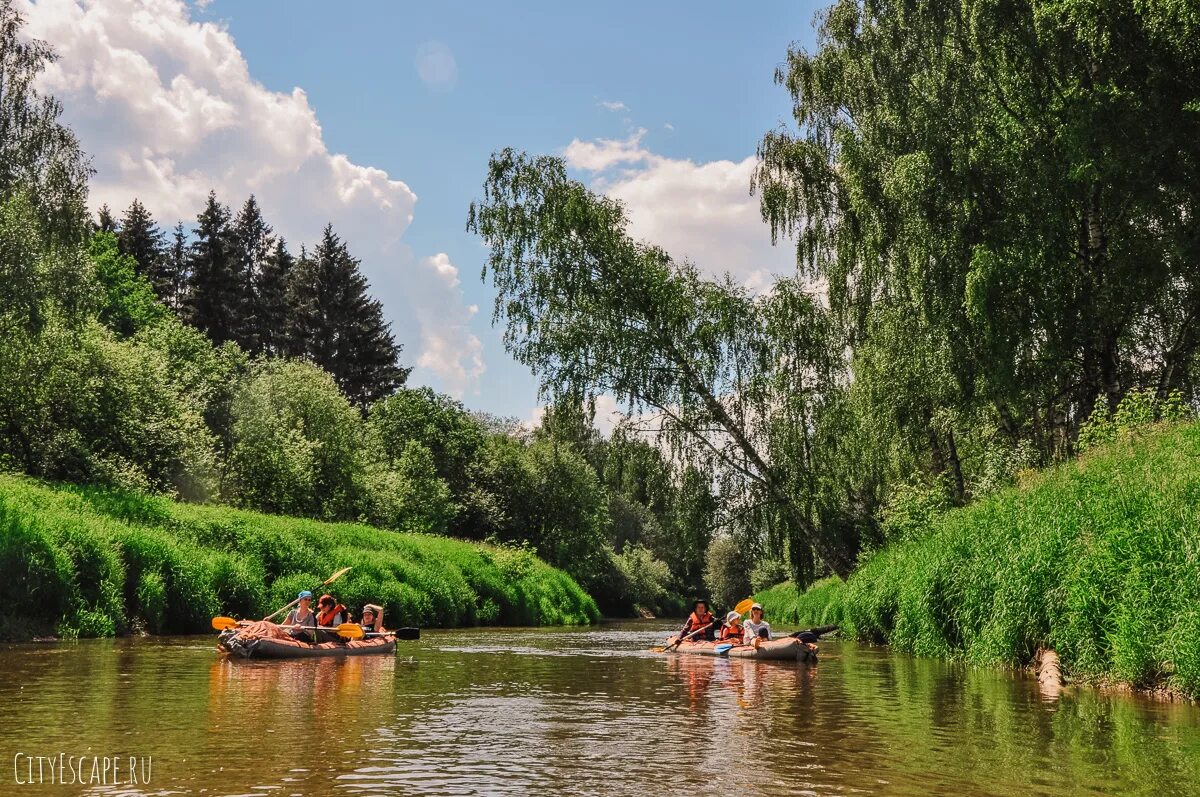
point(756, 627)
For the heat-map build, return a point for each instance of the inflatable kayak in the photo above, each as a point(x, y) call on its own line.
point(274, 647)
point(785, 649)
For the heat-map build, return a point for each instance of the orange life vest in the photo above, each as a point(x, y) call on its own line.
point(325, 618)
point(732, 632)
point(695, 623)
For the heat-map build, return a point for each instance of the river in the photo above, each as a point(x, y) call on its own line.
point(568, 711)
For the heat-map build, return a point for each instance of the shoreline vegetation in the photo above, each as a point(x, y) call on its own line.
point(101, 562)
point(1097, 559)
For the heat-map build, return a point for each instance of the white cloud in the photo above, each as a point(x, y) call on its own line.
point(699, 211)
point(436, 65)
point(168, 110)
point(614, 106)
point(604, 153)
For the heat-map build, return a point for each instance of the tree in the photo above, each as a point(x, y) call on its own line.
point(272, 292)
point(1007, 191)
point(105, 221)
point(438, 423)
point(176, 273)
point(128, 302)
point(252, 245)
point(216, 299)
point(141, 239)
point(297, 443)
point(336, 324)
point(407, 493)
point(722, 378)
point(38, 154)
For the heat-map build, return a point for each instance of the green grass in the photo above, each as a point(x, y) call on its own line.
point(1098, 558)
point(94, 562)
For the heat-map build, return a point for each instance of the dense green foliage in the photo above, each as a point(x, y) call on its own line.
point(96, 562)
point(993, 207)
point(213, 366)
point(1098, 559)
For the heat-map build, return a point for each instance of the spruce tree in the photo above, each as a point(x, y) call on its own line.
point(252, 245)
point(216, 294)
point(336, 324)
point(272, 298)
point(141, 239)
point(105, 221)
point(175, 269)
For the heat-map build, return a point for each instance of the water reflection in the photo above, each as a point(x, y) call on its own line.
point(582, 712)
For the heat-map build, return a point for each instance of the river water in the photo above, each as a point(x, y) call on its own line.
point(568, 711)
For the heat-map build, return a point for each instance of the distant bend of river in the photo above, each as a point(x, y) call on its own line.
point(569, 711)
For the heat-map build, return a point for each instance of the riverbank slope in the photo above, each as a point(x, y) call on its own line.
point(93, 562)
point(1098, 559)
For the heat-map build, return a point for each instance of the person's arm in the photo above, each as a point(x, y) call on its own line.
point(767, 626)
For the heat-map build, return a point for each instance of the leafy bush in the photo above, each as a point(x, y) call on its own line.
point(726, 571)
point(648, 579)
point(91, 408)
point(408, 493)
point(296, 442)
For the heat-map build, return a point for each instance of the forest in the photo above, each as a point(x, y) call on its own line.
point(993, 208)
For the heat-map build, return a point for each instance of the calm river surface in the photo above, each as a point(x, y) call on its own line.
point(576, 711)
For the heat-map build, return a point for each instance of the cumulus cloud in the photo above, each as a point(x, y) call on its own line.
point(699, 211)
point(436, 65)
point(613, 105)
point(168, 110)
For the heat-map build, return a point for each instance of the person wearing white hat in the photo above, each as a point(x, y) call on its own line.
point(756, 627)
point(732, 630)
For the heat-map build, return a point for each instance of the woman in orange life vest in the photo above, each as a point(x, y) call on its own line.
point(700, 618)
point(330, 614)
point(732, 630)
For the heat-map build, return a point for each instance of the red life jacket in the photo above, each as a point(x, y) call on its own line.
point(325, 618)
point(732, 632)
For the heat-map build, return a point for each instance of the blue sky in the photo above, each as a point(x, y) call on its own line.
point(694, 80)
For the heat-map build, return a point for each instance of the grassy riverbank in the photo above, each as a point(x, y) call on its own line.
point(93, 562)
point(1097, 558)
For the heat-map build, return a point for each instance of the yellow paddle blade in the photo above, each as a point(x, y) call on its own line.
point(350, 631)
point(336, 576)
point(224, 623)
point(744, 606)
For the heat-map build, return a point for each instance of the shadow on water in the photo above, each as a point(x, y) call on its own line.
point(572, 711)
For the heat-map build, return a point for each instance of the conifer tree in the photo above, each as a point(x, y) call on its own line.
point(336, 324)
point(175, 269)
point(141, 239)
point(105, 222)
point(252, 244)
point(273, 319)
point(216, 294)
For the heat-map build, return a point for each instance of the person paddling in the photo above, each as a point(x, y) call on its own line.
point(756, 627)
point(701, 619)
point(303, 617)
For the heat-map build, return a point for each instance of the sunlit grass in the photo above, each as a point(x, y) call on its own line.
point(93, 562)
point(1098, 559)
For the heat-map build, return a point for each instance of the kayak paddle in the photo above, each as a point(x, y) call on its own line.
point(355, 631)
point(324, 583)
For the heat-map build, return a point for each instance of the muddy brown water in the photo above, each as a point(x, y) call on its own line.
point(568, 711)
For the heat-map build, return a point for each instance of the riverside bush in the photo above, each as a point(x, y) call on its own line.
point(1097, 558)
point(94, 562)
